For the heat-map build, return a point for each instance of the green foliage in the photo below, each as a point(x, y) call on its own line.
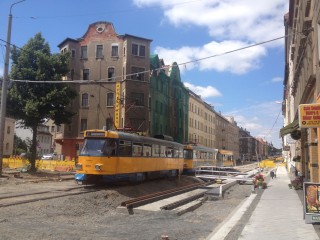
point(20, 145)
point(33, 103)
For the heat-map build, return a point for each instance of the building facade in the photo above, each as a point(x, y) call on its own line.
point(159, 98)
point(112, 72)
point(301, 86)
point(8, 139)
point(201, 122)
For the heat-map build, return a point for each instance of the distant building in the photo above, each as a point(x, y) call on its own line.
point(202, 122)
point(44, 140)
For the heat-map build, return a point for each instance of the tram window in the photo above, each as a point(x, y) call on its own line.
point(176, 153)
point(169, 152)
point(136, 149)
point(180, 153)
point(187, 154)
point(162, 151)
point(155, 150)
point(92, 147)
point(205, 155)
point(195, 154)
point(147, 150)
point(125, 148)
point(110, 147)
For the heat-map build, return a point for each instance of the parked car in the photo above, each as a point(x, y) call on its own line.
point(49, 156)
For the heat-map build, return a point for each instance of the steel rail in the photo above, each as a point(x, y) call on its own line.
point(139, 201)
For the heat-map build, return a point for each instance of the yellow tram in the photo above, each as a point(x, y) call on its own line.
point(114, 156)
point(196, 156)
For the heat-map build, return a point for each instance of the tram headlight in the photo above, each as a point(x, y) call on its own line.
point(98, 167)
point(78, 166)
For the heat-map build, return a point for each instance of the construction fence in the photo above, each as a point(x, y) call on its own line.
point(50, 165)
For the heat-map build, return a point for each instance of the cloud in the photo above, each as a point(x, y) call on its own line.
point(204, 92)
point(277, 79)
point(215, 56)
point(261, 120)
point(227, 19)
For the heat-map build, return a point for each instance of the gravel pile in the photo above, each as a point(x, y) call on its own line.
point(95, 215)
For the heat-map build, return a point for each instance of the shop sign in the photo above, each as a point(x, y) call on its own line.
point(311, 202)
point(309, 115)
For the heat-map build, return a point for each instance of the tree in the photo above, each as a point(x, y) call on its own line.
point(20, 146)
point(33, 103)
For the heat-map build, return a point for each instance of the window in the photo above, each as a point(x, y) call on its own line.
point(111, 74)
point(114, 51)
point(136, 149)
point(142, 51)
point(135, 49)
point(138, 50)
point(73, 53)
point(147, 150)
point(125, 148)
point(8, 130)
point(110, 99)
point(83, 124)
point(85, 74)
point(155, 150)
point(85, 100)
point(137, 99)
point(99, 52)
point(136, 124)
point(109, 123)
point(84, 52)
point(138, 73)
point(162, 151)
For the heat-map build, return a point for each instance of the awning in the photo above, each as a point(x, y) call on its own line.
point(289, 128)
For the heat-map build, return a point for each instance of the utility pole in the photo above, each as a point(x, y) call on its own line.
point(5, 83)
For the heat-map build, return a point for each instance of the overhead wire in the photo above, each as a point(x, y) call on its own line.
point(157, 69)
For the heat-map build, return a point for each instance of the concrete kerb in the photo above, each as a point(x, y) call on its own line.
point(218, 191)
point(225, 227)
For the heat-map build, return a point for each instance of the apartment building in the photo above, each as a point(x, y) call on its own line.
point(112, 76)
point(168, 101)
point(202, 122)
point(301, 86)
point(233, 137)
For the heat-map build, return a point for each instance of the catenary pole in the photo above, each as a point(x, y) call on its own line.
point(5, 83)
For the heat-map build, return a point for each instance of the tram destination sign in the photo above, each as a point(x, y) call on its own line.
point(309, 115)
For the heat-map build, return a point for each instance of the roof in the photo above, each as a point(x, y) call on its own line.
point(67, 40)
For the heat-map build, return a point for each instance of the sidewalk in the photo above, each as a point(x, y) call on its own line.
point(278, 215)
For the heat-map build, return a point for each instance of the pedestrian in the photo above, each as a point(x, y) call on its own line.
point(275, 173)
point(272, 174)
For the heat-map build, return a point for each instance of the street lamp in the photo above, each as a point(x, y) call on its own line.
point(5, 85)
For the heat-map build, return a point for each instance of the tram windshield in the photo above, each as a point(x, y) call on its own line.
point(99, 147)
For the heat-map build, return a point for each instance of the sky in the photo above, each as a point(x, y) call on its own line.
point(231, 53)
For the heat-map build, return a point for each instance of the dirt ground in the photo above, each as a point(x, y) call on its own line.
point(95, 215)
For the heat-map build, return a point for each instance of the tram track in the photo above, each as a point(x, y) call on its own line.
point(139, 201)
point(16, 199)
